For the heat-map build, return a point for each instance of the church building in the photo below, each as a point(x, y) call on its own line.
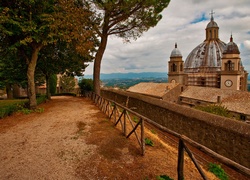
point(212, 63)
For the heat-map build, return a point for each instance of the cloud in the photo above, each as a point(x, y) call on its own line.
point(183, 22)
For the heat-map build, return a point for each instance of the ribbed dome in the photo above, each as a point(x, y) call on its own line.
point(176, 52)
point(206, 55)
point(231, 48)
point(212, 24)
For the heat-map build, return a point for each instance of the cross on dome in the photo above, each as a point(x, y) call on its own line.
point(212, 17)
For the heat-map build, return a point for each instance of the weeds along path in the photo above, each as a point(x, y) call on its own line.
point(72, 139)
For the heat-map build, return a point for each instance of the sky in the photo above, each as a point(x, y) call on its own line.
point(184, 23)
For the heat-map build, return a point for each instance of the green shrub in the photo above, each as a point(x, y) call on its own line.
point(153, 131)
point(7, 107)
point(41, 99)
point(7, 110)
point(135, 119)
point(215, 109)
point(217, 171)
point(149, 142)
point(86, 85)
point(52, 84)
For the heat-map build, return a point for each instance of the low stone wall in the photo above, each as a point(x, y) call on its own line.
point(225, 136)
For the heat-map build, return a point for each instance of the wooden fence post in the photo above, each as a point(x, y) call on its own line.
point(180, 160)
point(115, 113)
point(124, 123)
point(142, 137)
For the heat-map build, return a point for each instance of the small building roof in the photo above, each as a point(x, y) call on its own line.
point(237, 101)
point(231, 47)
point(152, 89)
point(176, 52)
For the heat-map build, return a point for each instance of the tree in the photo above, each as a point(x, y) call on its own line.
point(123, 18)
point(61, 58)
point(27, 26)
point(67, 83)
point(86, 85)
point(52, 84)
point(11, 73)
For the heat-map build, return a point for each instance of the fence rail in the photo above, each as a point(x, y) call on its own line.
point(123, 115)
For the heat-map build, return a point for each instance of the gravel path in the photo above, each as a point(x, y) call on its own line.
point(72, 139)
point(46, 145)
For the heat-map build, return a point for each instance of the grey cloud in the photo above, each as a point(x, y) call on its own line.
point(151, 51)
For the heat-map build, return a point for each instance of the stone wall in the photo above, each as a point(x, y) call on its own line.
point(227, 137)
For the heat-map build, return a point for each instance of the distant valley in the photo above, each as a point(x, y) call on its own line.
point(130, 75)
point(126, 80)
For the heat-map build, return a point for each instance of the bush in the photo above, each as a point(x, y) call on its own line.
point(86, 85)
point(41, 99)
point(52, 84)
point(215, 109)
point(7, 107)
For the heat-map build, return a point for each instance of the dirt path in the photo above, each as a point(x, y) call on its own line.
point(72, 139)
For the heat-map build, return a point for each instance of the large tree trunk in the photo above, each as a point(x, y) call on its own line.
point(9, 91)
point(16, 91)
point(97, 63)
point(48, 87)
point(31, 77)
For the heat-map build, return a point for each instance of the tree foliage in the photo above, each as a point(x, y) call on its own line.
point(86, 85)
point(27, 26)
point(217, 109)
point(123, 18)
point(53, 84)
point(61, 58)
point(67, 83)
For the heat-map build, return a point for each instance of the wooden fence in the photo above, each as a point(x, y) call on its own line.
point(124, 116)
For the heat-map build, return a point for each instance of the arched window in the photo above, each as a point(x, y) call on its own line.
point(229, 66)
point(174, 67)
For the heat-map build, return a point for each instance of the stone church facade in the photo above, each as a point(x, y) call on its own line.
point(212, 63)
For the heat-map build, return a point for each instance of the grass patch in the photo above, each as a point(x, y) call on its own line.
point(217, 171)
point(8, 107)
point(149, 142)
point(163, 177)
point(135, 119)
point(153, 131)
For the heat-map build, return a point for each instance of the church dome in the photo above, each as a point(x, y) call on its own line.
point(211, 24)
point(176, 52)
point(231, 48)
point(207, 55)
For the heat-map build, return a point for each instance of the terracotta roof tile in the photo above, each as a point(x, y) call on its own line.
point(238, 101)
point(150, 88)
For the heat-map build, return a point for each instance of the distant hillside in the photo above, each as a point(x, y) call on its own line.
point(125, 80)
point(131, 75)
